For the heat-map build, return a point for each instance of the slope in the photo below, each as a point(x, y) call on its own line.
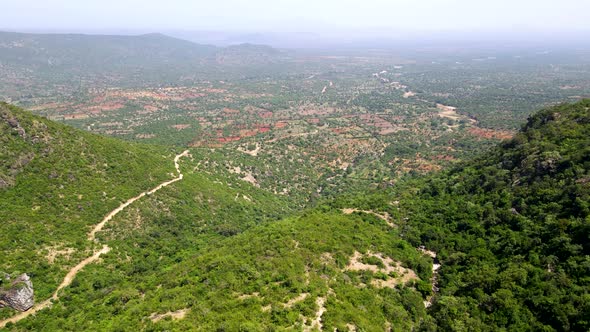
point(97, 52)
point(322, 270)
point(204, 247)
point(55, 182)
point(58, 181)
point(512, 229)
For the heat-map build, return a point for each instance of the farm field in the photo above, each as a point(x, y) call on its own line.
point(330, 123)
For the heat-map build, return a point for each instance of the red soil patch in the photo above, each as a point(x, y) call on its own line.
point(339, 130)
point(281, 124)
point(98, 99)
point(248, 133)
point(229, 111)
point(97, 109)
point(150, 108)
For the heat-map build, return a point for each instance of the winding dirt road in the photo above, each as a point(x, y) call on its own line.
point(92, 237)
point(108, 217)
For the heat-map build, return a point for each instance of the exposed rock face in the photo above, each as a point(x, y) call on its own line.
point(14, 124)
point(20, 294)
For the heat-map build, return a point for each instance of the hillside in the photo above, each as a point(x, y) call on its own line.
point(61, 65)
point(498, 242)
point(55, 182)
point(58, 183)
point(164, 251)
point(286, 275)
point(511, 229)
point(97, 52)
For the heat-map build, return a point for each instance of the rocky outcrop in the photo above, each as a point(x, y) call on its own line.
point(14, 124)
point(19, 295)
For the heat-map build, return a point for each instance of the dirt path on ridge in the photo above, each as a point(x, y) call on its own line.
point(67, 280)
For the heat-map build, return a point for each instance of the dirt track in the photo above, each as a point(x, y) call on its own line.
point(92, 237)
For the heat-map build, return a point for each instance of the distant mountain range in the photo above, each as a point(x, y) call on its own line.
point(43, 64)
point(110, 51)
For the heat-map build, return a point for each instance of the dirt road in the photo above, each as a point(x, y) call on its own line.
point(92, 237)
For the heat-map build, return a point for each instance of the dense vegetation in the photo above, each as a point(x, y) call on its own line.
point(512, 229)
point(514, 258)
point(243, 282)
point(204, 244)
point(56, 181)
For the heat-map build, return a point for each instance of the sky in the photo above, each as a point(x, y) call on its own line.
point(505, 16)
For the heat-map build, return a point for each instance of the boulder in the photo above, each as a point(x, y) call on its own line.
point(19, 295)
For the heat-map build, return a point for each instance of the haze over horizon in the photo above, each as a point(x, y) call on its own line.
point(401, 19)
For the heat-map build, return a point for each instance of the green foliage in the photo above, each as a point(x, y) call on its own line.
point(55, 182)
point(511, 229)
point(371, 260)
point(237, 282)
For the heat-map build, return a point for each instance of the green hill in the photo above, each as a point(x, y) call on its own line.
point(206, 235)
point(40, 65)
point(35, 65)
point(58, 182)
point(55, 182)
point(510, 230)
point(97, 52)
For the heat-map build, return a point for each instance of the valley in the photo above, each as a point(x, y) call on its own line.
point(247, 188)
point(380, 117)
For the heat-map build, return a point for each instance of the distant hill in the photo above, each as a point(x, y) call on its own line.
point(248, 54)
point(107, 52)
point(98, 51)
point(48, 64)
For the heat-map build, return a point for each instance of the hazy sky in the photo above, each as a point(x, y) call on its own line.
point(297, 15)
